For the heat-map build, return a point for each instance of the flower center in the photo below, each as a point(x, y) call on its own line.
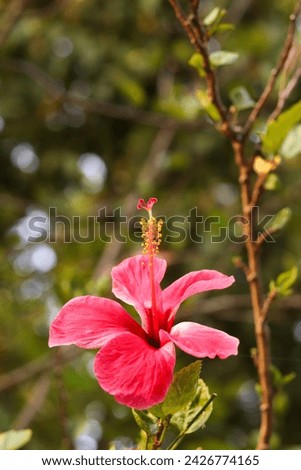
point(151, 236)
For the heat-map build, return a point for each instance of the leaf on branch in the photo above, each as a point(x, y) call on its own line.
point(284, 282)
point(197, 61)
point(291, 146)
point(132, 90)
point(216, 15)
point(223, 27)
point(146, 422)
point(182, 391)
point(213, 21)
point(280, 220)
point(208, 106)
point(220, 58)
point(277, 130)
point(272, 182)
point(12, 440)
point(241, 99)
point(279, 380)
point(184, 417)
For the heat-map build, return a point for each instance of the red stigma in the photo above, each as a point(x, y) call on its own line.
point(147, 205)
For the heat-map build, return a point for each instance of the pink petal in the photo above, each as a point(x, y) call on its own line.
point(202, 341)
point(136, 373)
point(131, 283)
point(90, 322)
point(190, 284)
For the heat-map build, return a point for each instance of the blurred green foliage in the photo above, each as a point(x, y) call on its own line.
point(89, 93)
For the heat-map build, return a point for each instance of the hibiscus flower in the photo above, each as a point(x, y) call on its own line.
point(135, 362)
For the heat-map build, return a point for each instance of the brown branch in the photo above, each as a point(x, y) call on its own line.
point(288, 44)
point(253, 276)
point(284, 95)
point(197, 37)
point(258, 189)
point(33, 368)
point(92, 105)
point(35, 402)
point(10, 18)
point(249, 196)
point(226, 308)
point(267, 303)
point(194, 5)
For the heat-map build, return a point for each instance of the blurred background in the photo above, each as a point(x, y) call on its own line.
point(98, 109)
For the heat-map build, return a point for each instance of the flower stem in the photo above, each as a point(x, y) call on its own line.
point(181, 436)
point(163, 426)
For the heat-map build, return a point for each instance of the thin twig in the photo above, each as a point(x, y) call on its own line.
point(258, 189)
point(159, 437)
point(33, 368)
point(284, 95)
point(34, 403)
point(92, 105)
point(248, 196)
point(10, 18)
point(267, 303)
point(197, 37)
point(275, 72)
point(181, 436)
point(226, 308)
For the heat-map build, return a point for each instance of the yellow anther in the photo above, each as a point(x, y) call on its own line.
point(151, 235)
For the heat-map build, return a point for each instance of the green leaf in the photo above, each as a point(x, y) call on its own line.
point(272, 183)
point(280, 219)
point(182, 391)
point(208, 106)
point(278, 129)
point(197, 61)
point(184, 417)
point(215, 16)
point(279, 380)
point(224, 27)
point(220, 58)
point(288, 378)
point(291, 146)
point(132, 90)
point(146, 421)
point(288, 278)
point(12, 440)
point(280, 403)
point(272, 286)
point(276, 375)
point(241, 99)
point(285, 281)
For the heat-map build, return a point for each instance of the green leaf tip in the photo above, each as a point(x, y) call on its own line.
point(13, 440)
point(280, 220)
point(285, 281)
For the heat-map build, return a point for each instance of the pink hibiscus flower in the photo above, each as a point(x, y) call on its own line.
point(135, 363)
